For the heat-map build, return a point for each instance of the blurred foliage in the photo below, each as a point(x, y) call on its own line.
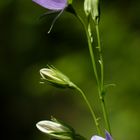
point(26, 47)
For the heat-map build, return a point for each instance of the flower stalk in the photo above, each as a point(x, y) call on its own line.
point(91, 110)
point(101, 91)
point(93, 10)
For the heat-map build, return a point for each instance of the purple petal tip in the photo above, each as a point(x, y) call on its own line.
point(108, 136)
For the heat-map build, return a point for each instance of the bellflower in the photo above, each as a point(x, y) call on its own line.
point(108, 137)
point(55, 6)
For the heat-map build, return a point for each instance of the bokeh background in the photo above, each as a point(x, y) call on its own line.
point(25, 48)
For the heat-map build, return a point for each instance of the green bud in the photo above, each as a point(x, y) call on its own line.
point(91, 7)
point(95, 10)
point(55, 77)
point(55, 130)
point(58, 130)
point(87, 7)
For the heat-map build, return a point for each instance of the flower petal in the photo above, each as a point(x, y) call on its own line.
point(52, 4)
point(97, 138)
point(108, 136)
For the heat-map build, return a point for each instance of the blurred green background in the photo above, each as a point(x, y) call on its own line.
point(25, 48)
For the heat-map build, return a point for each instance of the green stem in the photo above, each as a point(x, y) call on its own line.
point(89, 39)
point(100, 83)
point(90, 108)
point(105, 114)
point(86, 28)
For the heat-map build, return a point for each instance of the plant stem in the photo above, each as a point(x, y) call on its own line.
point(101, 92)
point(89, 39)
point(90, 108)
point(88, 35)
point(100, 82)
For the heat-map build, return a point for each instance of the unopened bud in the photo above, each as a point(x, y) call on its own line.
point(87, 7)
point(91, 7)
point(55, 77)
point(95, 11)
point(55, 130)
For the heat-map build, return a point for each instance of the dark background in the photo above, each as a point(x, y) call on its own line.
point(25, 48)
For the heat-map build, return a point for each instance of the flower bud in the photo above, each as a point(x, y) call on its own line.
point(91, 7)
point(55, 77)
point(55, 130)
point(95, 10)
point(87, 7)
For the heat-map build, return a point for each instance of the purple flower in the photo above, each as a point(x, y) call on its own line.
point(108, 137)
point(55, 5)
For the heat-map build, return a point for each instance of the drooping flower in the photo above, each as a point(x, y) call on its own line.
point(55, 77)
point(108, 137)
point(56, 6)
point(53, 6)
